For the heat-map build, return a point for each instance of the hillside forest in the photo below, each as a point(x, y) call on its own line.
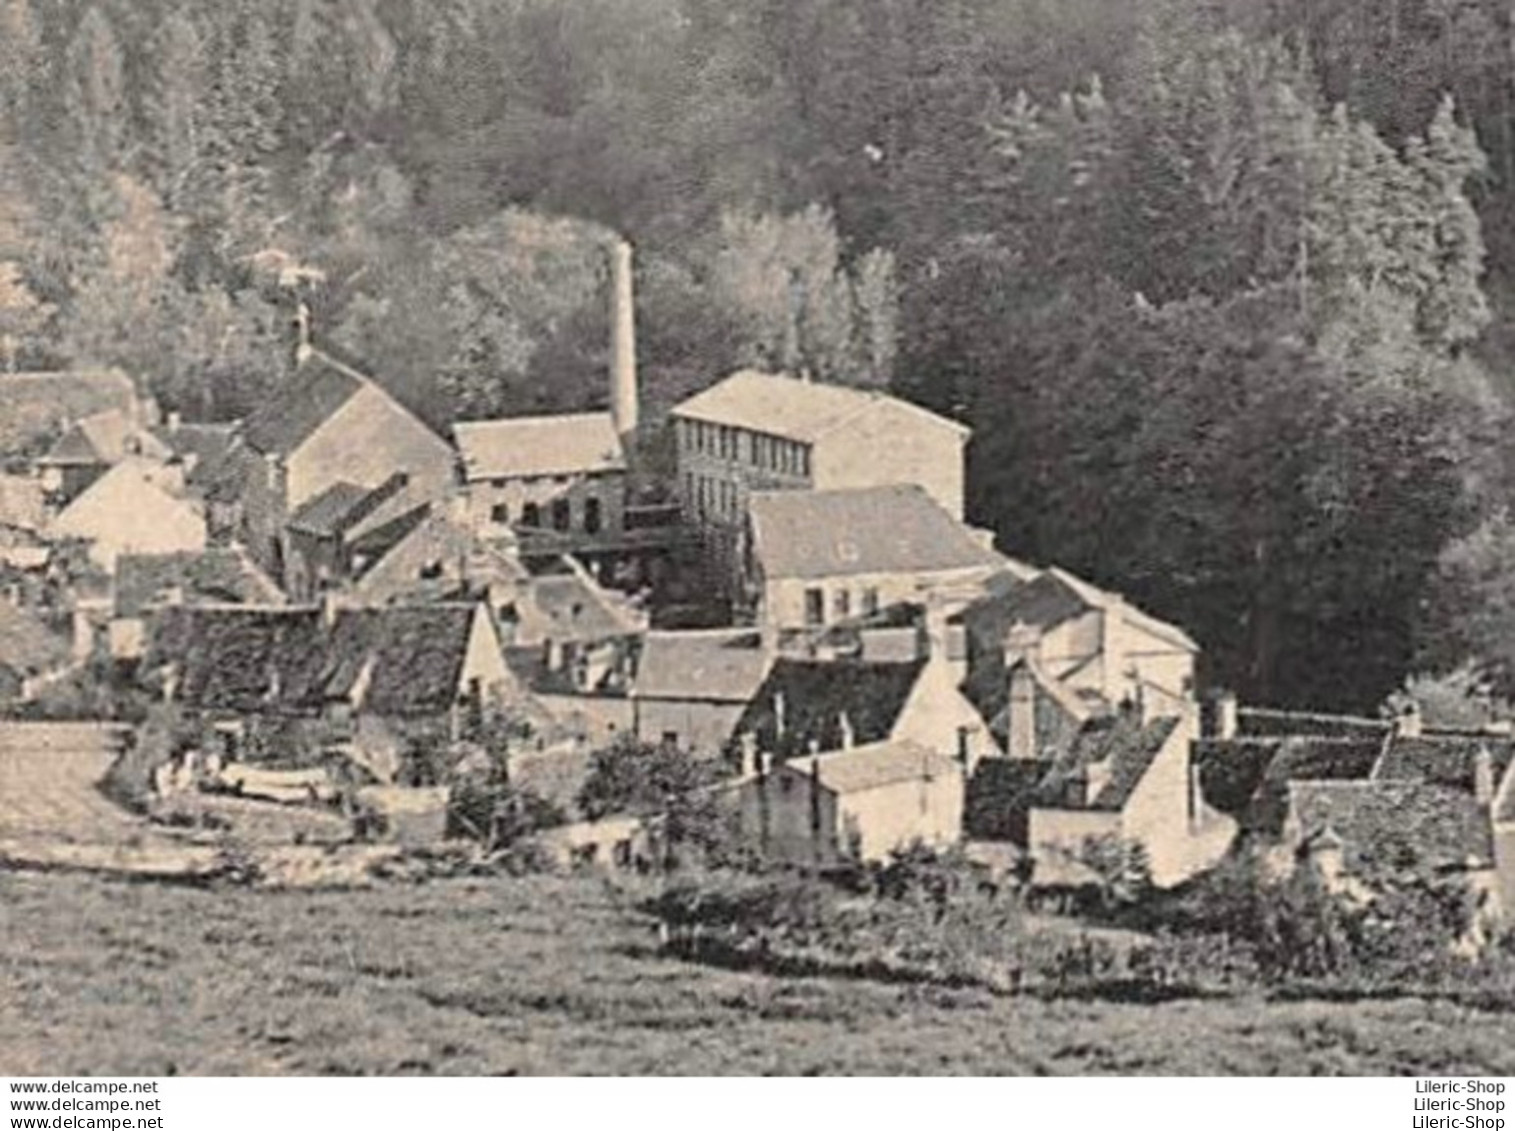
point(1224, 287)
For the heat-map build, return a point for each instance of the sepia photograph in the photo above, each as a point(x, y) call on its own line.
point(649, 538)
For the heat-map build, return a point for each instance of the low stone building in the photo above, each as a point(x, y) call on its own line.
point(858, 804)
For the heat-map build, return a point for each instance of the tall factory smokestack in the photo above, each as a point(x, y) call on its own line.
point(623, 344)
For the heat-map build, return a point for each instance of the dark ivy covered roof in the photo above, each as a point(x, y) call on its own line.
point(802, 703)
point(291, 660)
point(1393, 826)
point(1445, 759)
point(318, 389)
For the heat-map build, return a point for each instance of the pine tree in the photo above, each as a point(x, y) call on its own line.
point(95, 96)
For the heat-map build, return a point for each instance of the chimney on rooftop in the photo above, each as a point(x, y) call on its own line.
point(1408, 722)
point(1020, 739)
point(302, 332)
point(1483, 776)
point(1227, 716)
point(747, 745)
point(623, 344)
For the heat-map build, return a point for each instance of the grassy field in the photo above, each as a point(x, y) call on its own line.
point(558, 976)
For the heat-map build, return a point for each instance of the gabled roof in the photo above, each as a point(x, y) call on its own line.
point(803, 702)
point(375, 544)
point(1059, 710)
point(1249, 777)
point(570, 607)
point(35, 405)
point(792, 407)
point(345, 506)
point(240, 659)
point(318, 389)
point(713, 665)
point(1393, 825)
point(103, 437)
point(571, 444)
point(126, 486)
point(27, 645)
point(892, 529)
point(1115, 751)
point(1444, 759)
point(228, 576)
point(326, 514)
point(1052, 597)
point(249, 659)
point(873, 766)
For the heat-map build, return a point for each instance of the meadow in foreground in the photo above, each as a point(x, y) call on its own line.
point(561, 975)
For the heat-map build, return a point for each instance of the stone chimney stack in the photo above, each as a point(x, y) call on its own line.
point(1483, 776)
point(1408, 723)
point(747, 746)
point(1227, 716)
point(1021, 741)
point(302, 333)
point(623, 343)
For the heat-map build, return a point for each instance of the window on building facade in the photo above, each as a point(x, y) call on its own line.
point(870, 601)
point(815, 606)
point(841, 602)
point(805, 461)
point(592, 516)
point(562, 515)
point(500, 514)
point(531, 515)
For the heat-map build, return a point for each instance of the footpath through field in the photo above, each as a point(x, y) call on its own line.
point(52, 812)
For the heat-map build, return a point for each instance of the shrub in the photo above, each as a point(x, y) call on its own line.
point(162, 737)
point(488, 809)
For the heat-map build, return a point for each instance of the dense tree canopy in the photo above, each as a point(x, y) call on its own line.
point(1208, 278)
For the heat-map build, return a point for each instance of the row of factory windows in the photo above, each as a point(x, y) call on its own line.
point(737, 445)
point(711, 499)
point(842, 605)
point(560, 515)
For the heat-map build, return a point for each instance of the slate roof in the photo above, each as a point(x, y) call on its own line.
point(791, 407)
point(719, 665)
point(245, 659)
point(33, 406)
point(1248, 778)
point(893, 529)
point(874, 766)
point(1444, 759)
point(1393, 825)
point(375, 543)
point(28, 645)
point(570, 444)
point(812, 697)
point(1046, 599)
point(319, 388)
point(327, 513)
point(212, 576)
point(204, 444)
point(1121, 747)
